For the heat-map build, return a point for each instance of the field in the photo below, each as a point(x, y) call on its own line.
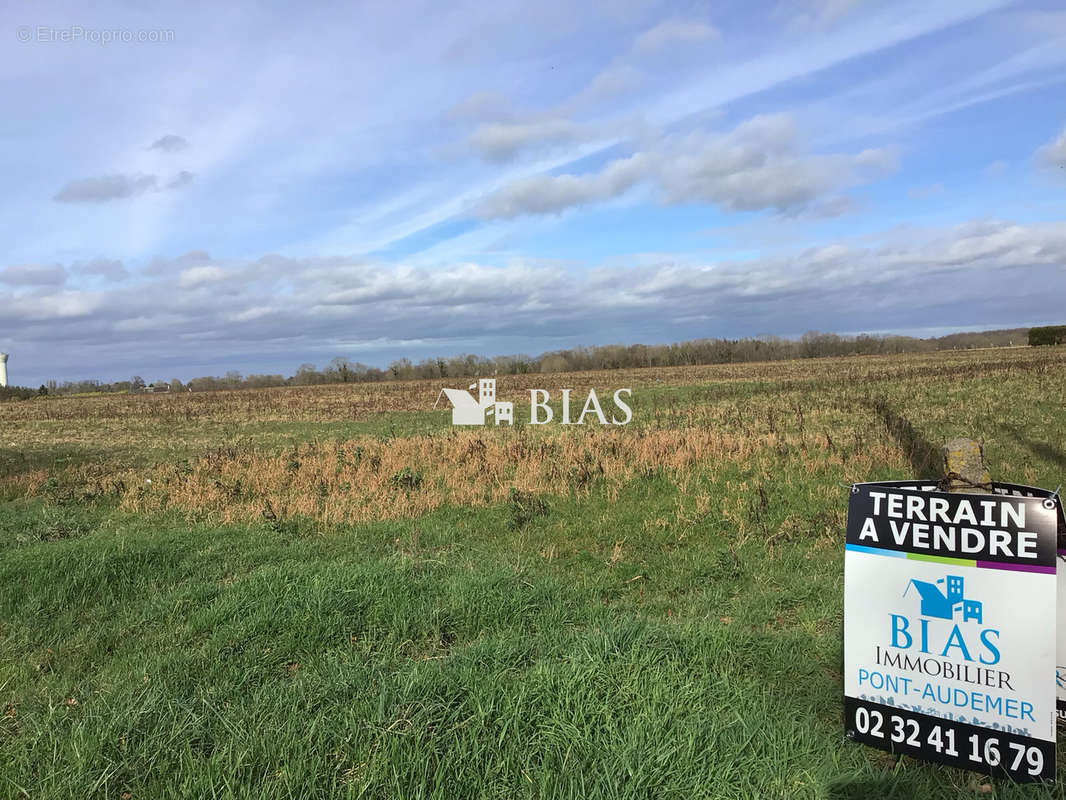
point(331, 592)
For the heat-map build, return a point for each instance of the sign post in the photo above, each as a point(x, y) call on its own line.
point(949, 626)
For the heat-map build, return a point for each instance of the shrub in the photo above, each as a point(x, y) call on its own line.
point(1050, 334)
point(11, 393)
point(406, 479)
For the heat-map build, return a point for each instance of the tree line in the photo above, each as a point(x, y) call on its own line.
point(680, 354)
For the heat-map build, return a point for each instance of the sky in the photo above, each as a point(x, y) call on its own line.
point(201, 188)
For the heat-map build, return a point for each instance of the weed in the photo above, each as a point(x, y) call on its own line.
point(523, 507)
point(406, 479)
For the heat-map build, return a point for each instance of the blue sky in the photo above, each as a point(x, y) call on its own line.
point(210, 187)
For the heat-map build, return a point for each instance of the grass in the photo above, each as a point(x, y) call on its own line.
point(495, 622)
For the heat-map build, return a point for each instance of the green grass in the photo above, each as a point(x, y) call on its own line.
point(459, 664)
point(441, 658)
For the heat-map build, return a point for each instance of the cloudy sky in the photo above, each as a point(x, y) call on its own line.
point(226, 186)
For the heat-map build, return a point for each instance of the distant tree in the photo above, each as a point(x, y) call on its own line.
point(176, 385)
point(306, 375)
point(1051, 334)
point(12, 393)
point(203, 384)
point(43, 390)
point(401, 368)
point(341, 369)
point(263, 381)
point(553, 363)
point(137, 383)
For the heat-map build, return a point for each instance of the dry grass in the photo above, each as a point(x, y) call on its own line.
point(368, 479)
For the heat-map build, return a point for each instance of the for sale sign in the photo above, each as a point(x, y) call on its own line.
point(949, 627)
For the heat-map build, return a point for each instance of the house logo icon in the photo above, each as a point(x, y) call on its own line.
point(936, 602)
point(468, 411)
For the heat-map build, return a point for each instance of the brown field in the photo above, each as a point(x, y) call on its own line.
point(355, 401)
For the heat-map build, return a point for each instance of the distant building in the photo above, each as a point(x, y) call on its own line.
point(159, 388)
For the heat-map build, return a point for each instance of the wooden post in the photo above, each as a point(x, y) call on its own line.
point(964, 469)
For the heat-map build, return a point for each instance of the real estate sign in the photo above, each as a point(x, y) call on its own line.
point(949, 626)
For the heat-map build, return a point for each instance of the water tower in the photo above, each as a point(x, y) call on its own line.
point(3, 369)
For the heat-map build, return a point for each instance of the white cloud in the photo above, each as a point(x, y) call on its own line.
point(1053, 154)
point(754, 61)
point(758, 165)
point(171, 143)
point(68, 305)
point(546, 194)
point(502, 141)
point(673, 32)
point(982, 272)
point(253, 313)
point(108, 268)
point(34, 275)
point(106, 188)
point(116, 187)
point(611, 82)
point(199, 276)
point(181, 179)
point(479, 105)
